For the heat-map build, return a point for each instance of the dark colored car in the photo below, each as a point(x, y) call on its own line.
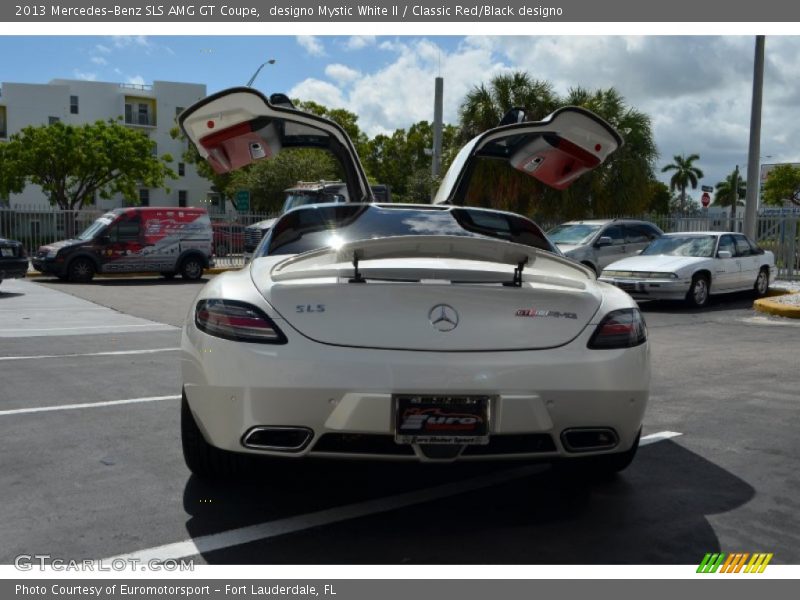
point(13, 260)
point(228, 238)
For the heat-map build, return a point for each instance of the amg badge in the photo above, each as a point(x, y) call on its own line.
point(533, 312)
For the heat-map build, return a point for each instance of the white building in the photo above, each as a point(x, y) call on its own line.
point(150, 108)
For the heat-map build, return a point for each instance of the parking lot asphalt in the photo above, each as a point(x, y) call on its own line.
point(92, 466)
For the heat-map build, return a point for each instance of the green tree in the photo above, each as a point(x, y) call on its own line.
point(723, 195)
point(783, 183)
point(485, 104)
point(686, 174)
point(73, 163)
point(659, 198)
point(267, 179)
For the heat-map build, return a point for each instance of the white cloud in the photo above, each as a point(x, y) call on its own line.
point(319, 91)
point(311, 44)
point(84, 76)
point(357, 42)
point(99, 60)
point(126, 41)
point(341, 73)
point(102, 48)
point(135, 80)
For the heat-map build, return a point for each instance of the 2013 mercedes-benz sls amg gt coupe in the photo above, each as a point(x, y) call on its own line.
point(409, 332)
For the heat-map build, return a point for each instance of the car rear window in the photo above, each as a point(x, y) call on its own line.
point(317, 227)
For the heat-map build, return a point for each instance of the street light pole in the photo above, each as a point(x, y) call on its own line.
point(271, 61)
point(753, 166)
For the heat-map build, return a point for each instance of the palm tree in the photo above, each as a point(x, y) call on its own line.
point(724, 194)
point(686, 174)
point(484, 105)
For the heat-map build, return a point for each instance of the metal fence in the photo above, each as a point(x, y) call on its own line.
point(38, 226)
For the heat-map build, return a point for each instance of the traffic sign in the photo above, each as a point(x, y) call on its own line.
point(243, 200)
point(707, 188)
point(705, 199)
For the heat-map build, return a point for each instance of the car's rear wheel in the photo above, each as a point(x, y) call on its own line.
point(598, 467)
point(191, 268)
point(761, 285)
point(203, 459)
point(81, 270)
point(699, 291)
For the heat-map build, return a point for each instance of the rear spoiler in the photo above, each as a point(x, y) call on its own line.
point(327, 262)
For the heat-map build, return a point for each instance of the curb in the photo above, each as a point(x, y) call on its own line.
point(212, 271)
point(770, 307)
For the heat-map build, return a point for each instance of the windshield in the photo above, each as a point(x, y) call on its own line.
point(685, 245)
point(92, 230)
point(573, 234)
point(295, 200)
point(333, 225)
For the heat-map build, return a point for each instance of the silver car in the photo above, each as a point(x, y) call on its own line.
point(598, 243)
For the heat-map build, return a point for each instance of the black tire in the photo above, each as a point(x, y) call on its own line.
point(168, 275)
point(761, 286)
point(192, 268)
point(203, 459)
point(222, 250)
point(81, 270)
point(597, 467)
point(699, 292)
point(592, 267)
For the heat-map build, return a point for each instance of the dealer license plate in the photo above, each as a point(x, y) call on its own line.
point(441, 419)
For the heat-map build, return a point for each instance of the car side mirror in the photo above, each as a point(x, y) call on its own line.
point(603, 241)
point(724, 254)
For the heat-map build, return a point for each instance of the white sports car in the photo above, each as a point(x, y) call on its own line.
point(693, 266)
point(409, 332)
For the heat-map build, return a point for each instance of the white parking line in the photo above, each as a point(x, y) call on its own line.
point(113, 353)
point(24, 411)
point(270, 529)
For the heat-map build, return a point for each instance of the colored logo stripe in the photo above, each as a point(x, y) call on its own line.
point(734, 563)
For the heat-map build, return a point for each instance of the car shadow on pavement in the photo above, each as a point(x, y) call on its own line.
point(735, 301)
point(124, 281)
point(653, 513)
point(4, 294)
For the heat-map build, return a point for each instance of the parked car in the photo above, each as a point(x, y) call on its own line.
point(597, 243)
point(228, 238)
point(13, 260)
point(409, 332)
point(694, 266)
point(164, 240)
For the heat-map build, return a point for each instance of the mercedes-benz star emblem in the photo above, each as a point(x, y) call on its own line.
point(443, 317)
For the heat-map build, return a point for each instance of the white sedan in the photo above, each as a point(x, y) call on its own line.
point(692, 266)
point(427, 333)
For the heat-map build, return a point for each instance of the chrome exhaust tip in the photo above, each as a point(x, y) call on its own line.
point(277, 438)
point(589, 439)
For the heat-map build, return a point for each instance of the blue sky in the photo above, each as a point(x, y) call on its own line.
point(696, 89)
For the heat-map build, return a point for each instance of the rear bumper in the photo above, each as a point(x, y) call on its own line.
point(666, 289)
point(345, 395)
point(13, 268)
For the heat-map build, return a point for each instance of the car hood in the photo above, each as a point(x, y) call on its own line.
point(656, 262)
point(567, 248)
point(61, 244)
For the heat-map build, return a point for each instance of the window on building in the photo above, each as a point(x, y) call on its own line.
point(183, 198)
point(144, 197)
point(144, 114)
point(3, 132)
point(73, 105)
point(154, 149)
point(129, 113)
point(52, 120)
point(181, 169)
point(178, 111)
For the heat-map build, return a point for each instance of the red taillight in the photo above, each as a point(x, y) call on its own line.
point(620, 329)
point(239, 321)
